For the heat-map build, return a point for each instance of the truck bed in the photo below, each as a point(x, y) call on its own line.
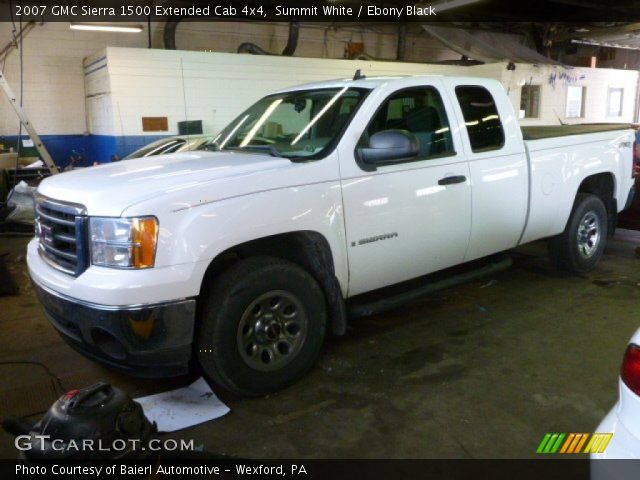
point(551, 131)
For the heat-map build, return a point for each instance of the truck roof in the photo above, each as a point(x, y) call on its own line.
point(368, 82)
point(373, 82)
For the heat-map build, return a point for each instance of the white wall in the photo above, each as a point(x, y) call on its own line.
point(212, 87)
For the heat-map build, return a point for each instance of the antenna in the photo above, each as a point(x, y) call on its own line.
point(358, 75)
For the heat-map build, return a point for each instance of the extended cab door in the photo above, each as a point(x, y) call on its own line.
point(411, 217)
point(497, 163)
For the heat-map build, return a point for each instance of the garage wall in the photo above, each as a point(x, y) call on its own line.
point(53, 83)
point(554, 82)
point(316, 40)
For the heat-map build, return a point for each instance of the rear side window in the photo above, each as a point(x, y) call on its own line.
point(481, 118)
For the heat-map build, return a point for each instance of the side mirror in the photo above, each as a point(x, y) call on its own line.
point(390, 146)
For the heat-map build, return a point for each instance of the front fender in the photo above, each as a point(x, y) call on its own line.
point(198, 233)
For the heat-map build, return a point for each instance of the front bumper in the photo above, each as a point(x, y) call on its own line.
point(151, 340)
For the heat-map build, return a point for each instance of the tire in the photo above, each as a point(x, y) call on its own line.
point(580, 247)
point(262, 326)
point(4, 185)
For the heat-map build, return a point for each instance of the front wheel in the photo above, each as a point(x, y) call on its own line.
point(580, 247)
point(262, 326)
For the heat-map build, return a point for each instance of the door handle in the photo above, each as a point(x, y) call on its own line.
point(452, 180)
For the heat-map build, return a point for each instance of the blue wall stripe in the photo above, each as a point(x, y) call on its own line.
point(93, 148)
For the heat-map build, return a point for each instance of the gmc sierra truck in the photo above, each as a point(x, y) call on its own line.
point(241, 257)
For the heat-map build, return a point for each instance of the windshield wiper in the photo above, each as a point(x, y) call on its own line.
point(212, 146)
point(270, 149)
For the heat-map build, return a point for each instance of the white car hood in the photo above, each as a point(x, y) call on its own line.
point(109, 189)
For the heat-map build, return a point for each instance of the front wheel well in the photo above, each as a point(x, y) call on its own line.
point(308, 249)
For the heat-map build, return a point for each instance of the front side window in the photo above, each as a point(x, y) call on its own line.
point(481, 118)
point(299, 124)
point(421, 112)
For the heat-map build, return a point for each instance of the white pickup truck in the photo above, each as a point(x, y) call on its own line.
point(243, 255)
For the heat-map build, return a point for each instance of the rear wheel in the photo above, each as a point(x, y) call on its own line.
point(580, 247)
point(262, 326)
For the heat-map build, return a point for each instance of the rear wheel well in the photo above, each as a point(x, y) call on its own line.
point(602, 185)
point(310, 250)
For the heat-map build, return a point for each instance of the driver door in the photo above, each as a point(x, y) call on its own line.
point(411, 217)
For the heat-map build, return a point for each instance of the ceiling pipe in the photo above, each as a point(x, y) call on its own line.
point(171, 26)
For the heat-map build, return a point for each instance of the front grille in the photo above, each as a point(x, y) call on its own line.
point(61, 229)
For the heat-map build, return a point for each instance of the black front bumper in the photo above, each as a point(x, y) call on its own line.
point(145, 341)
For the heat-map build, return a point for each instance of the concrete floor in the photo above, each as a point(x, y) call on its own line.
point(482, 370)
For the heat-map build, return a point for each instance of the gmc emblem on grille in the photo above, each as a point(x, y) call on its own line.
point(45, 233)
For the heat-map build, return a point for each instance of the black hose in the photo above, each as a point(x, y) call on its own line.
point(169, 35)
point(292, 41)
point(171, 26)
point(362, 56)
point(252, 48)
point(289, 49)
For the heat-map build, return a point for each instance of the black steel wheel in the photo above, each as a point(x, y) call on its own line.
point(262, 326)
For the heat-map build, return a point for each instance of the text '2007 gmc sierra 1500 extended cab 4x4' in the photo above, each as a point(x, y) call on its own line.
point(243, 255)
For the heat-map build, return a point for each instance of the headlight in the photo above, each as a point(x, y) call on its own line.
point(123, 242)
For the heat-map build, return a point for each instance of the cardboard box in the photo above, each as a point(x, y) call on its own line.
point(8, 160)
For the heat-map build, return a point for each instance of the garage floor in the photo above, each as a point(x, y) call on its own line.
point(481, 370)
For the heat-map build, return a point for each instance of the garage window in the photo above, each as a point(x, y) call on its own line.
point(575, 101)
point(530, 101)
point(614, 102)
point(481, 118)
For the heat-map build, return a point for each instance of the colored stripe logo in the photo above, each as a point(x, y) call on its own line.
point(573, 443)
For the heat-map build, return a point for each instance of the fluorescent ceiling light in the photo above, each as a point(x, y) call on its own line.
point(106, 28)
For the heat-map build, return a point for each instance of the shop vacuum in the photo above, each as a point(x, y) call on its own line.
point(99, 422)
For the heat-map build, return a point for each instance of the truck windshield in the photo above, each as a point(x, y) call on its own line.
point(300, 124)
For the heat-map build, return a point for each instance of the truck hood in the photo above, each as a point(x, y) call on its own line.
point(109, 189)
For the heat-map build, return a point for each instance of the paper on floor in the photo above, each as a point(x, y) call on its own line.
point(184, 407)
